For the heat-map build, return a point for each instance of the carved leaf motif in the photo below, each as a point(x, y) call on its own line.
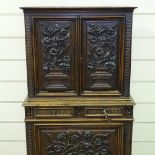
point(101, 46)
point(78, 143)
point(55, 40)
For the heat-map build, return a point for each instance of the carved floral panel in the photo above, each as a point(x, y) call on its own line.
point(78, 143)
point(56, 39)
point(56, 44)
point(78, 139)
point(101, 49)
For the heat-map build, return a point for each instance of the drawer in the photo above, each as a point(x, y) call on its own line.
point(53, 112)
point(79, 112)
point(104, 111)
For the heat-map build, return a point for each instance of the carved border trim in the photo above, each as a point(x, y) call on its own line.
point(127, 60)
point(29, 139)
point(128, 138)
point(29, 54)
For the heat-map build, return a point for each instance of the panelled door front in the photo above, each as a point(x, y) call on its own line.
point(54, 55)
point(102, 55)
point(78, 139)
point(58, 47)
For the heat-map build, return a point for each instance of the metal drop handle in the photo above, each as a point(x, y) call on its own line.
point(107, 115)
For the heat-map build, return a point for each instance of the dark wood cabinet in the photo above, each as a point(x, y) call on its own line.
point(78, 67)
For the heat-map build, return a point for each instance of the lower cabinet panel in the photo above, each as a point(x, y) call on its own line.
point(78, 139)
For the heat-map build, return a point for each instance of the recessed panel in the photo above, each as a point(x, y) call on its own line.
point(101, 55)
point(78, 139)
point(55, 56)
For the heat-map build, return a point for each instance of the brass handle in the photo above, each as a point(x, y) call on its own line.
point(104, 111)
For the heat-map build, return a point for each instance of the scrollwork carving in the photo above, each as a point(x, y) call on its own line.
point(78, 143)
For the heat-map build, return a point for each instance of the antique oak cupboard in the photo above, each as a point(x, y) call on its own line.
point(78, 70)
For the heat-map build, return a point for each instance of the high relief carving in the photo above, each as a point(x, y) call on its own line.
point(56, 51)
point(102, 41)
point(101, 53)
point(56, 43)
point(78, 143)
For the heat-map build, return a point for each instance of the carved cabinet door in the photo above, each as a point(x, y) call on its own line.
point(54, 41)
point(102, 55)
point(78, 139)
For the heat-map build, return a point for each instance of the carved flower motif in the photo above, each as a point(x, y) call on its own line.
point(110, 65)
point(64, 63)
point(90, 152)
point(74, 139)
point(50, 28)
point(57, 26)
point(46, 67)
point(66, 58)
point(64, 31)
point(86, 147)
point(99, 140)
point(53, 52)
point(87, 136)
point(100, 51)
point(104, 151)
point(56, 148)
point(94, 29)
point(109, 31)
point(91, 66)
point(46, 40)
point(65, 66)
point(61, 43)
point(62, 136)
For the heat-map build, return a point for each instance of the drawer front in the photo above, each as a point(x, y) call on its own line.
point(79, 112)
point(53, 112)
point(104, 111)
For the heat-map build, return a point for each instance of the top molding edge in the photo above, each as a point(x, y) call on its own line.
point(48, 9)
